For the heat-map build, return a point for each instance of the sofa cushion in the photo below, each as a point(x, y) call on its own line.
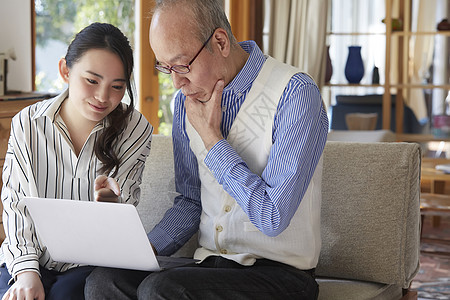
point(338, 289)
point(370, 212)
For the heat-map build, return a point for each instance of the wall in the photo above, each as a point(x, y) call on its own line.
point(15, 31)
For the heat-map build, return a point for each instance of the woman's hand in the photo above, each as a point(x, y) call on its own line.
point(28, 286)
point(106, 189)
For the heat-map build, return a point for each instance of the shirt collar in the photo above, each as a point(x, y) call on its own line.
point(51, 107)
point(250, 71)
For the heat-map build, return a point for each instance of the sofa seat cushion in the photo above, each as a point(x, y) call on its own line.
point(331, 289)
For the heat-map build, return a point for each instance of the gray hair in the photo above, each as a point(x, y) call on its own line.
point(208, 15)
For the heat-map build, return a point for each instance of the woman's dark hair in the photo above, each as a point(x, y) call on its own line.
point(108, 37)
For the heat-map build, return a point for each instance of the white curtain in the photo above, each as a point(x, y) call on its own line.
point(297, 34)
point(424, 20)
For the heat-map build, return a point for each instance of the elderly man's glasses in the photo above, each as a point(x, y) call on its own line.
point(181, 69)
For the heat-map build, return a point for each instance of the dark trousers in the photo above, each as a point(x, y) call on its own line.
point(214, 278)
point(57, 285)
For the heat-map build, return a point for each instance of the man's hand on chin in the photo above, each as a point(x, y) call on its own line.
point(206, 116)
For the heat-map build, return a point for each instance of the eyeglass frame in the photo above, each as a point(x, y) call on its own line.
point(168, 70)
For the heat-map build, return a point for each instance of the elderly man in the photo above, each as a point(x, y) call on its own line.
point(248, 137)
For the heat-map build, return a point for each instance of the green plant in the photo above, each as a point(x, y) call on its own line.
point(166, 94)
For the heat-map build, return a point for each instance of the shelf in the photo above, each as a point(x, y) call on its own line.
point(398, 42)
point(392, 85)
point(353, 85)
point(26, 96)
point(393, 33)
point(421, 86)
point(356, 33)
point(410, 137)
point(411, 33)
point(12, 104)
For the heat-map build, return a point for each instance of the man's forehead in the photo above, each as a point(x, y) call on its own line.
point(170, 53)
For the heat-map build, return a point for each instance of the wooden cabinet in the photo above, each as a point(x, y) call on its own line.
point(8, 109)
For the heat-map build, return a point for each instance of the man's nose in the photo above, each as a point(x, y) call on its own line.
point(179, 80)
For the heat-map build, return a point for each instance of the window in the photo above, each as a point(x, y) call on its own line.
point(57, 21)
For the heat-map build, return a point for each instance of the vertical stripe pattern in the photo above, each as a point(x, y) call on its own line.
point(299, 135)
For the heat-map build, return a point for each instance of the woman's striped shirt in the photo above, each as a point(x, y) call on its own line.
point(41, 162)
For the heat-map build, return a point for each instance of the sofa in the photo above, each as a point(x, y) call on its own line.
point(370, 216)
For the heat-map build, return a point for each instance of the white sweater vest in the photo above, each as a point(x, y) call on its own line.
point(225, 229)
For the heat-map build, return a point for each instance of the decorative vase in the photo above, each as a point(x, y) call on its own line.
point(375, 76)
point(354, 68)
point(329, 67)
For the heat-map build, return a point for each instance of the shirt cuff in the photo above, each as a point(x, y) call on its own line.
point(25, 263)
point(221, 158)
point(163, 244)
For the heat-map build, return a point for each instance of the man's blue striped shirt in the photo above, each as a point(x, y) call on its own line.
point(270, 201)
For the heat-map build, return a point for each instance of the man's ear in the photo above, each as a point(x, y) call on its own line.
point(222, 42)
point(63, 70)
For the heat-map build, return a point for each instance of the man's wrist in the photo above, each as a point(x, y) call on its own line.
point(211, 142)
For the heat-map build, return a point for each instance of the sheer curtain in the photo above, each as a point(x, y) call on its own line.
point(426, 53)
point(421, 56)
point(297, 34)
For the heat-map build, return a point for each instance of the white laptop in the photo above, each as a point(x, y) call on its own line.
point(96, 233)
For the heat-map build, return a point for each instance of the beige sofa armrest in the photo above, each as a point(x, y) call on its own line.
point(370, 212)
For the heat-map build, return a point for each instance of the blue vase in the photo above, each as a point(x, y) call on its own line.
point(354, 68)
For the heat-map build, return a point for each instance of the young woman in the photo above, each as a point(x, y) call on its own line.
point(84, 144)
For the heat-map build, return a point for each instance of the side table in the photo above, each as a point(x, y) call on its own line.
point(434, 205)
